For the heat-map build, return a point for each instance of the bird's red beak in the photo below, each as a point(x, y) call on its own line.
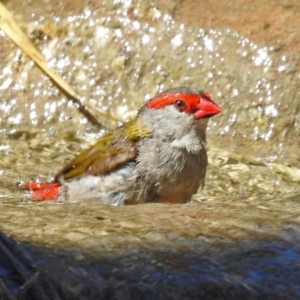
point(206, 108)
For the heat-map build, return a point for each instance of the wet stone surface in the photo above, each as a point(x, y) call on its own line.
point(238, 239)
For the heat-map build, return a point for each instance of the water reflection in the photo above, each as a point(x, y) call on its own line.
point(116, 57)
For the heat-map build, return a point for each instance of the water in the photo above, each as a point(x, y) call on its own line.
point(116, 55)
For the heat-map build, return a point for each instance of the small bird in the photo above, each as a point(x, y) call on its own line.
point(160, 156)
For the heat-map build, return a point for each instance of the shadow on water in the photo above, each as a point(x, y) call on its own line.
point(251, 270)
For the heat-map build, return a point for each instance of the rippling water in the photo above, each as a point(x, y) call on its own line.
point(116, 55)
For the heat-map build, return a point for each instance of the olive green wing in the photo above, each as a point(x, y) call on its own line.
point(109, 153)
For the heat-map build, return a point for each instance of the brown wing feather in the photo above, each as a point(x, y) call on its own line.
point(111, 151)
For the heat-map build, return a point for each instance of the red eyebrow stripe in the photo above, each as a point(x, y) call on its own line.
point(166, 99)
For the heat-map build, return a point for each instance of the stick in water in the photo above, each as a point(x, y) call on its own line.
point(14, 31)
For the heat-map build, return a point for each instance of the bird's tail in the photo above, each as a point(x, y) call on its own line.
point(43, 191)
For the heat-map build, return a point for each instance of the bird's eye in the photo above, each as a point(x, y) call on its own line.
point(180, 105)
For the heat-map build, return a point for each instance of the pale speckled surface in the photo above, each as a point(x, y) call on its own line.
point(252, 189)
